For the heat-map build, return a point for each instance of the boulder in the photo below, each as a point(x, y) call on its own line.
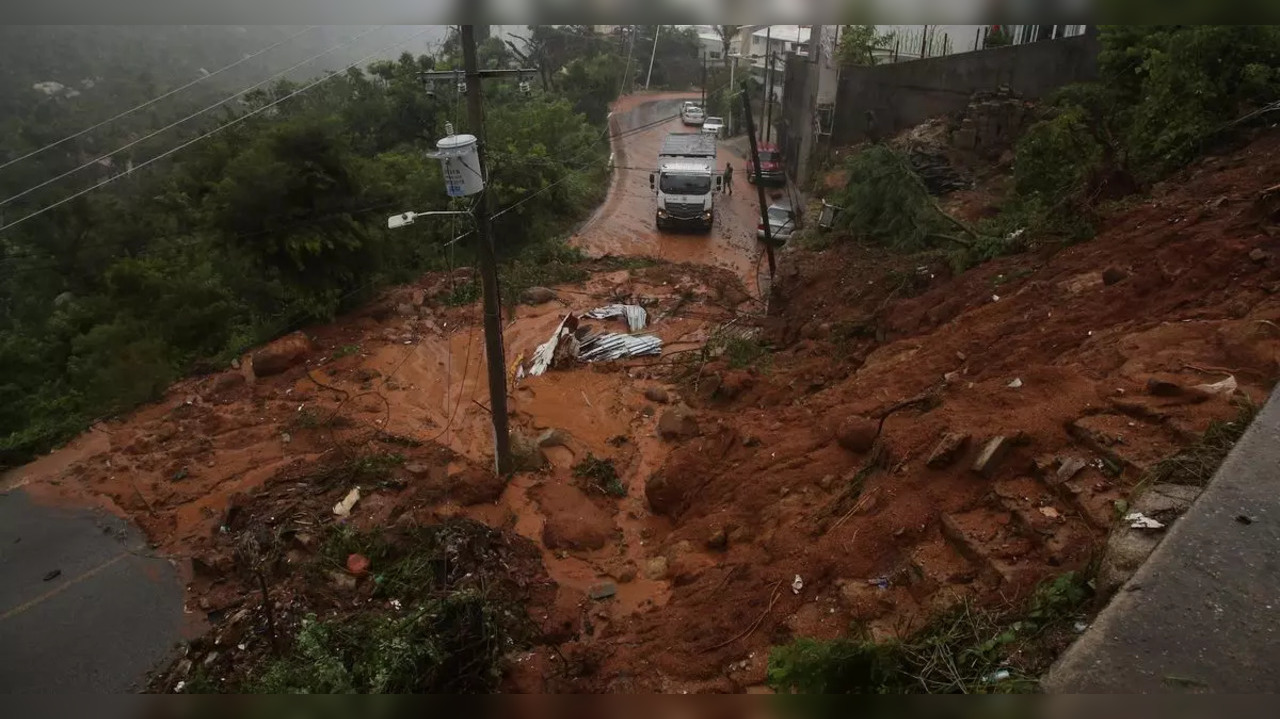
point(225, 383)
point(657, 394)
point(994, 452)
point(677, 423)
point(664, 496)
point(947, 449)
point(656, 568)
point(539, 295)
point(857, 434)
point(280, 355)
point(1112, 275)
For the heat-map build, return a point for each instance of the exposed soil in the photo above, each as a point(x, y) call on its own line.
point(770, 477)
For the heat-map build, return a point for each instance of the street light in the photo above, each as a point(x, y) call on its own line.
point(395, 222)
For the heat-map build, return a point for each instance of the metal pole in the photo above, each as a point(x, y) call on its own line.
point(733, 65)
point(924, 38)
point(652, 55)
point(755, 162)
point(704, 82)
point(768, 81)
point(493, 350)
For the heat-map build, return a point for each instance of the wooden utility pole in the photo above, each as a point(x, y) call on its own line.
point(493, 349)
point(704, 81)
point(652, 54)
point(755, 162)
point(767, 109)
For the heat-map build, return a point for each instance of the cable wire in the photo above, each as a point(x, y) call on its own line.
point(153, 101)
point(171, 125)
point(188, 143)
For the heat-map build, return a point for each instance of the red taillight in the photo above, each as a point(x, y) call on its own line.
point(760, 226)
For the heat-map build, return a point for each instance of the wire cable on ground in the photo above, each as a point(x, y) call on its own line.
point(188, 143)
point(153, 101)
point(174, 124)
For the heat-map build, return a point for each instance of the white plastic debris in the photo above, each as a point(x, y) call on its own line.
point(1016, 383)
point(343, 508)
point(1222, 387)
point(635, 315)
point(1138, 520)
point(995, 298)
point(996, 676)
point(548, 352)
point(797, 584)
point(1080, 627)
point(1049, 512)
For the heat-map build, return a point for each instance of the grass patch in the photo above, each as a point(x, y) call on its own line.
point(463, 293)
point(346, 351)
point(742, 352)
point(1196, 464)
point(601, 475)
point(966, 650)
point(447, 630)
point(544, 265)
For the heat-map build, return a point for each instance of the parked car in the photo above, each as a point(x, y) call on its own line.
point(782, 222)
point(713, 126)
point(770, 172)
point(691, 114)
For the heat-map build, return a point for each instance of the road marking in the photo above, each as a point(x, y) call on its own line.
point(61, 588)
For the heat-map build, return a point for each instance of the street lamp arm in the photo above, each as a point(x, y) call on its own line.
point(407, 218)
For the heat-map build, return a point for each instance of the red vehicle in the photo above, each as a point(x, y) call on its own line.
point(770, 172)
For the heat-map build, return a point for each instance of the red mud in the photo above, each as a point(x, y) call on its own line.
point(764, 492)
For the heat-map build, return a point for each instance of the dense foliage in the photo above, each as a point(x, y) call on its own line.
point(262, 227)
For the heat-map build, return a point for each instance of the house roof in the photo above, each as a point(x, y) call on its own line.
point(784, 32)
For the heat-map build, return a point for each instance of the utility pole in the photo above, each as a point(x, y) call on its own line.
point(755, 162)
point(704, 81)
point(652, 54)
point(493, 349)
point(766, 110)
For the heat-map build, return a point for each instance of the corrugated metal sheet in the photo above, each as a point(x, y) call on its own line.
point(635, 315)
point(605, 346)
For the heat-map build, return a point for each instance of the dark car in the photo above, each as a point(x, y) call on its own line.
point(770, 172)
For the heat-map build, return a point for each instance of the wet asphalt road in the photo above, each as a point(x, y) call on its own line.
point(108, 617)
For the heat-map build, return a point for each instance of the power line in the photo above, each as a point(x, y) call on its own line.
point(171, 125)
point(188, 143)
point(153, 101)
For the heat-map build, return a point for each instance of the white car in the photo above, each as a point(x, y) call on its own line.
point(692, 114)
point(782, 222)
point(713, 126)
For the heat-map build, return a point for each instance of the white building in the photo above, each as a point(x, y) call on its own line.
point(756, 43)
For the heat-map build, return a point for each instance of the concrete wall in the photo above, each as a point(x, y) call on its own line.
point(882, 100)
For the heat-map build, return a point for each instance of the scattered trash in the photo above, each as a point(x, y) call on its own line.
point(285, 437)
point(1138, 520)
point(395, 604)
point(996, 676)
point(357, 564)
point(1223, 387)
point(995, 298)
point(635, 315)
point(1016, 233)
point(177, 688)
point(1016, 383)
point(1050, 512)
point(52, 575)
point(797, 584)
point(881, 582)
point(343, 508)
point(1080, 627)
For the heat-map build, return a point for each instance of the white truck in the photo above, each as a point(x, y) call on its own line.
point(687, 181)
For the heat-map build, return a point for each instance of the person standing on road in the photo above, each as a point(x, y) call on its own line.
point(728, 179)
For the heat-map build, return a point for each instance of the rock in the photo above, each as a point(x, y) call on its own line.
point(525, 451)
point(825, 482)
point(664, 496)
point(1259, 255)
point(1112, 275)
point(656, 568)
point(627, 572)
point(991, 455)
point(945, 452)
point(554, 438)
point(1069, 468)
point(718, 540)
point(539, 295)
point(357, 564)
point(857, 434)
point(475, 485)
point(281, 355)
point(602, 590)
point(657, 394)
point(342, 581)
point(677, 423)
point(235, 363)
point(404, 309)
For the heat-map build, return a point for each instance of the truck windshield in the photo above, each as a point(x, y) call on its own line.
point(686, 184)
point(767, 156)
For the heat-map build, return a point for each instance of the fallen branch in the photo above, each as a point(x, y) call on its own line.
point(777, 593)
